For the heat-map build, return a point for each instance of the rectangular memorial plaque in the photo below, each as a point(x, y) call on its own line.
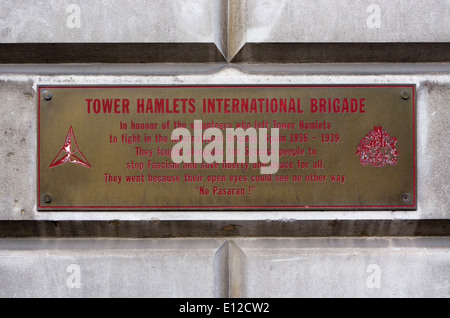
point(349, 147)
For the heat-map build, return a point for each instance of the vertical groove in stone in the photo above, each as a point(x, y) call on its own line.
point(237, 273)
point(222, 271)
point(236, 31)
point(221, 26)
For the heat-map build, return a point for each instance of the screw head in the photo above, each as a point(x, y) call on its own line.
point(405, 95)
point(47, 95)
point(405, 197)
point(47, 198)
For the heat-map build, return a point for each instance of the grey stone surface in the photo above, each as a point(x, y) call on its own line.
point(290, 21)
point(167, 268)
point(347, 21)
point(30, 21)
point(412, 268)
point(230, 24)
point(102, 268)
point(137, 22)
point(17, 148)
point(433, 158)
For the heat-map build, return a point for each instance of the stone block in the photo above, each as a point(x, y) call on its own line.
point(121, 31)
point(258, 25)
point(342, 268)
point(109, 268)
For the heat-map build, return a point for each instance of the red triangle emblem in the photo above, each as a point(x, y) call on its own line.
point(72, 153)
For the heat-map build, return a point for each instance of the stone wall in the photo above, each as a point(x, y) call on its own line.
point(219, 253)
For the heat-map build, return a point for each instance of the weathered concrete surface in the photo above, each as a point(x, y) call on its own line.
point(433, 157)
point(101, 268)
point(138, 21)
point(229, 24)
point(347, 21)
point(289, 21)
point(331, 267)
point(17, 144)
point(344, 268)
point(143, 25)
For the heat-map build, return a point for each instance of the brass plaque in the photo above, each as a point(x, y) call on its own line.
point(340, 147)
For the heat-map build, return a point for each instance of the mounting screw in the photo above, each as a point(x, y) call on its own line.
point(47, 198)
point(47, 95)
point(405, 95)
point(405, 197)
